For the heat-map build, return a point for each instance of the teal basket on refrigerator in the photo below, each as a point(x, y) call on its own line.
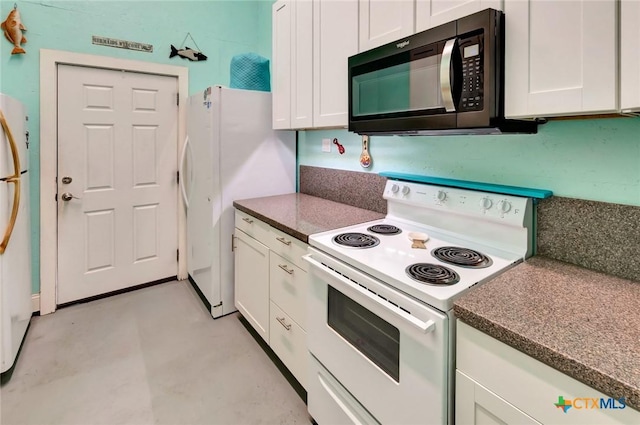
point(250, 71)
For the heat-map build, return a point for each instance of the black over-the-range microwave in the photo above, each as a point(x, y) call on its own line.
point(445, 80)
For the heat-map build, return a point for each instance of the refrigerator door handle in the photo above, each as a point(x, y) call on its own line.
point(183, 189)
point(15, 179)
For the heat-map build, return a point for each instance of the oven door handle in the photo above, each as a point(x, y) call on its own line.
point(422, 326)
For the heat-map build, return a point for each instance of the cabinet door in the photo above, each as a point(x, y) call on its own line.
point(252, 281)
point(384, 21)
point(302, 65)
point(560, 57)
point(335, 38)
point(630, 55)
point(288, 288)
point(431, 13)
point(281, 66)
point(477, 405)
point(289, 342)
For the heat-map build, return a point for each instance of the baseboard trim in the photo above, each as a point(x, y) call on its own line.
point(35, 303)
point(297, 386)
point(119, 291)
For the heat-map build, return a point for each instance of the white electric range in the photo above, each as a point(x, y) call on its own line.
point(381, 330)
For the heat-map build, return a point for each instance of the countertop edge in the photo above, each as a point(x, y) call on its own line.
point(567, 365)
point(275, 224)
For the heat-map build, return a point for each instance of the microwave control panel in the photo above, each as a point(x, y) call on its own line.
point(472, 96)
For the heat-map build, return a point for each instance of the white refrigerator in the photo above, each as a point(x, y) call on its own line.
point(231, 153)
point(15, 245)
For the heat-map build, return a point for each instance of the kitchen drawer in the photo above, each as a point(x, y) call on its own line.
point(289, 342)
point(288, 247)
point(253, 227)
point(288, 288)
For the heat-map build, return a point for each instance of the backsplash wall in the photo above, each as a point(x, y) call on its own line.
point(594, 159)
point(599, 236)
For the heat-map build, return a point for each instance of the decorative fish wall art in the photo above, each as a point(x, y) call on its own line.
point(187, 52)
point(12, 28)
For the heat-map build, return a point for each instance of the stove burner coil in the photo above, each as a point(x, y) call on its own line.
point(385, 229)
point(356, 240)
point(432, 274)
point(462, 257)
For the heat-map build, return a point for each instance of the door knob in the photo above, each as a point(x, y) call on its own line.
point(68, 196)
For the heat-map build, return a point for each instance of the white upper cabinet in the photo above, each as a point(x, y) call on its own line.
point(630, 56)
point(431, 13)
point(384, 21)
point(560, 57)
point(292, 64)
point(335, 38)
point(281, 63)
point(302, 65)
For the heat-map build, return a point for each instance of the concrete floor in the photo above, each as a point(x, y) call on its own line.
point(152, 356)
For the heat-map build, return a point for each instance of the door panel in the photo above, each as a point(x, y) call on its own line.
point(382, 22)
point(335, 38)
point(431, 13)
point(560, 58)
point(117, 140)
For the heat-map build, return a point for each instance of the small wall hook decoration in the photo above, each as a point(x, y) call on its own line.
point(187, 52)
point(340, 147)
point(365, 158)
point(13, 28)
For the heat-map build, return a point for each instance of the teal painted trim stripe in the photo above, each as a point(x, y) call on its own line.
point(485, 187)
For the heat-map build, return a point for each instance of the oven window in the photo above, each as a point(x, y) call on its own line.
point(371, 335)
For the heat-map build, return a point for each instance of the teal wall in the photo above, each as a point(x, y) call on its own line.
point(595, 159)
point(222, 29)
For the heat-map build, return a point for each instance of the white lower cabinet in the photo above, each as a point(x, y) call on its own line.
point(477, 405)
point(271, 289)
point(252, 281)
point(497, 384)
point(289, 342)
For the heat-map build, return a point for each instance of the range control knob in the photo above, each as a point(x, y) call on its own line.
point(441, 195)
point(395, 188)
point(486, 203)
point(405, 190)
point(505, 206)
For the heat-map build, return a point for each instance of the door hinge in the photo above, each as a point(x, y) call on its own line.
point(177, 255)
point(178, 177)
point(56, 197)
point(178, 99)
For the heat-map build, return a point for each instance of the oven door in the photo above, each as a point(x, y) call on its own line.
point(386, 349)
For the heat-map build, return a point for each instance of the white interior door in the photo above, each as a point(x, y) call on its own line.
point(117, 144)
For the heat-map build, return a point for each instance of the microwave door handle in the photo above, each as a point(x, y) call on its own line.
point(446, 87)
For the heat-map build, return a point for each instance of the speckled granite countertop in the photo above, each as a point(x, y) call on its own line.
point(583, 323)
point(301, 215)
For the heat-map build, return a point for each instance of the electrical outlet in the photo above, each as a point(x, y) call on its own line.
point(326, 145)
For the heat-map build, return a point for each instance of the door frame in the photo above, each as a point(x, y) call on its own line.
point(49, 61)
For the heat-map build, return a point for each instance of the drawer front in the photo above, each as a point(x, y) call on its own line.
point(253, 227)
point(288, 288)
point(288, 247)
point(289, 342)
